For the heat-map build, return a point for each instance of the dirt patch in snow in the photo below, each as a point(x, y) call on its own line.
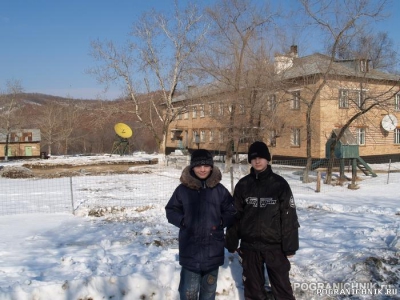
point(70, 170)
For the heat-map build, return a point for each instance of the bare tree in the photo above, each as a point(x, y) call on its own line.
point(50, 121)
point(236, 45)
point(156, 62)
point(9, 107)
point(340, 26)
point(378, 48)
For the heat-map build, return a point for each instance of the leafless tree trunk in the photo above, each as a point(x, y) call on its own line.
point(236, 45)
point(8, 116)
point(50, 121)
point(157, 63)
point(339, 28)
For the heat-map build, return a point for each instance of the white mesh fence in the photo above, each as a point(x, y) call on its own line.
point(152, 185)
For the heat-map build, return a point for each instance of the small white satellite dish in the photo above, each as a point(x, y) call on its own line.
point(389, 122)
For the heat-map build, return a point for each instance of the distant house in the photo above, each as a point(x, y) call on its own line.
point(22, 143)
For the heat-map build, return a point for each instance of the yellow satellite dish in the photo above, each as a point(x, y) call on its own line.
point(123, 130)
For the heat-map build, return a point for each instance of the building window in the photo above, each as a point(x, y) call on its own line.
point(221, 109)
point(211, 109)
point(195, 136)
point(242, 109)
point(211, 136)
point(186, 114)
point(272, 138)
point(27, 137)
point(295, 137)
point(179, 116)
point(201, 111)
point(194, 112)
point(364, 65)
point(360, 98)
point(221, 137)
point(271, 102)
point(355, 96)
point(295, 100)
point(360, 136)
point(343, 99)
point(397, 136)
point(202, 136)
point(397, 102)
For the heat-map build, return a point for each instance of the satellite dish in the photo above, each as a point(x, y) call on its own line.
point(121, 144)
point(123, 130)
point(389, 122)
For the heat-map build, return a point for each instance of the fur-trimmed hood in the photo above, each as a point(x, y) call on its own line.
point(187, 179)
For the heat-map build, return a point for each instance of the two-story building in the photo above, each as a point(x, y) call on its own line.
point(332, 93)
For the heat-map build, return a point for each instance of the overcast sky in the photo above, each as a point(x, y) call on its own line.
point(45, 44)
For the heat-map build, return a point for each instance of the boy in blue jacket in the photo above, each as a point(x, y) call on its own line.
point(201, 207)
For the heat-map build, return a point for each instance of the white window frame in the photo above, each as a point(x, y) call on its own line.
point(356, 96)
point(202, 114)
point(272, 138)
point(295, 137)
point(221, 109)
point(194, 112)
point(221, 137)
point(361, 98)
point(295, 102)
point(212, 109)
point(397, 136)
point(397, 102)
point(202, 136)
point(186, 114)
point(242, 109)
point(211, 137)
point(195, 133)
point(364, 65)
point(271, 104)
point(343, 98)
point(361, 135)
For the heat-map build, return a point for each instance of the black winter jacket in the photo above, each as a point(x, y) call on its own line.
point(266, 214)
point(201, 209)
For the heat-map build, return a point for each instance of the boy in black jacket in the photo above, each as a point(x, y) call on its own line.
point(267, 227)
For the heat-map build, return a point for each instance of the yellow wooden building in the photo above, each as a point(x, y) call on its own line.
point(338, 89)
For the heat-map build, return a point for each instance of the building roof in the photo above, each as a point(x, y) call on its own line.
point(301, 67)
point(347, 138)
point(36, 137)
point(318, 64)
point(201, 91)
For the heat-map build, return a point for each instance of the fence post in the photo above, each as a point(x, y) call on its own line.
point(390, 161)
point(72, 196)
point(318, 189)
point(231, 171)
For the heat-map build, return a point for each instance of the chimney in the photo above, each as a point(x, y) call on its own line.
point(285, 61)
point(293, 51)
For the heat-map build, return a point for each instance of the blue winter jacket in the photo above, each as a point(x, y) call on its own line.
point(201, 209)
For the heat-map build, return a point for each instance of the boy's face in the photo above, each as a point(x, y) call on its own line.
point(259, 164)
point(202, 171)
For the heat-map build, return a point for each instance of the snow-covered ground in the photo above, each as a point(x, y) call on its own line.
point(349, 246)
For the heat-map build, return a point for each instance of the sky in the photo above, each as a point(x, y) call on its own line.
point(347, 237)
point(45, 44)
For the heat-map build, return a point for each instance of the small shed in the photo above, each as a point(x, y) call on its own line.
point(21, 143)
point(346, 147)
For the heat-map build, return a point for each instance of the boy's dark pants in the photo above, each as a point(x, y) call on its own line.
point(278, 267)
